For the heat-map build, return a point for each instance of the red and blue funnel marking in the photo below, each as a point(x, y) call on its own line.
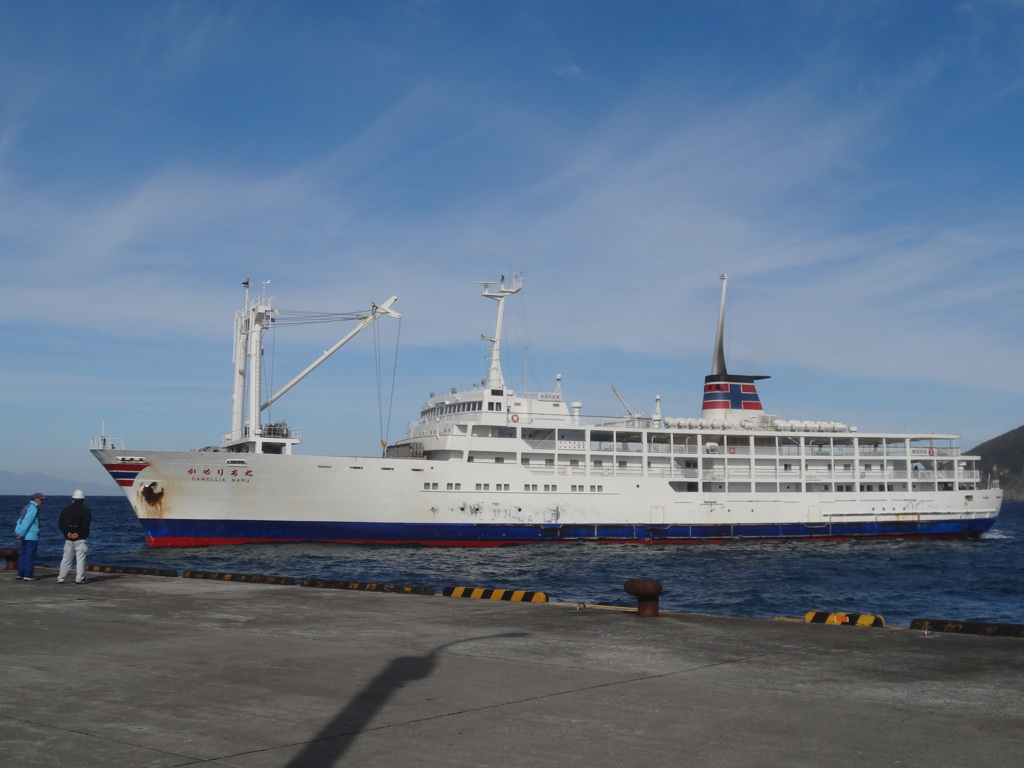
point(725, 393)
point(733, 395)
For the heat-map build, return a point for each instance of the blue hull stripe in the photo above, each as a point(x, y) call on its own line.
point(197, 532)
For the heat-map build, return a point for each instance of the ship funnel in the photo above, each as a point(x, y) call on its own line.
point(728, 398)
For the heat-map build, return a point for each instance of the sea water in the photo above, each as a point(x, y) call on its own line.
point(967, 580)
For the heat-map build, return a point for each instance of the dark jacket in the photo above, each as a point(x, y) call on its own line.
point(75, 518)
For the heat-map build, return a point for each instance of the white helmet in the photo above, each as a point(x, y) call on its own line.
point(77, 495)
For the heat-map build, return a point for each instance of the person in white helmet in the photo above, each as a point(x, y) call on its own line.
point(74, 523)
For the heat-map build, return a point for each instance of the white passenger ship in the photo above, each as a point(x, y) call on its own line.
point(490, 466)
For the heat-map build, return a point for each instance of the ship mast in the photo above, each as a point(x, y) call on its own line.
point(250, 322)
point(247, 434)
point(495, 380)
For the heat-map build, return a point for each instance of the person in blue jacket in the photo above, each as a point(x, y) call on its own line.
point(27, 531)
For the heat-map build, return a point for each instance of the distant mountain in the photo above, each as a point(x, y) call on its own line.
point(1002, 458)
point(12, 484)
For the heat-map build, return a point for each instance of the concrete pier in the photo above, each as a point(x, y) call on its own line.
point(132, 670)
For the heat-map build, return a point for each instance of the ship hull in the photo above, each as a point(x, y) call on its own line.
point(185, 499)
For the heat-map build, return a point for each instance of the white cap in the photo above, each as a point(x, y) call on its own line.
point(77, 495)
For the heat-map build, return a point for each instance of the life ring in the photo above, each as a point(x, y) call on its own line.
point(732, 449)
point(515, 418)
point(931, 451)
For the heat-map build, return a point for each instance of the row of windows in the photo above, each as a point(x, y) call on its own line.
point(505, 487)
point(444, 410)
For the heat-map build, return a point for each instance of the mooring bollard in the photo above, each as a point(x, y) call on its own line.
point(10, 557)
point(646, 592)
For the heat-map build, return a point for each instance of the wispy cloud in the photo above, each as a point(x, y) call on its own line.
point(622, 186)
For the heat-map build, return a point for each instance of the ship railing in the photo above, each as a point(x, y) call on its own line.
point(541, 445)
point(843, 450)
point(943, 474)
point(270, 431)
point(616, 447)
point(103, 442)
point(739, 473)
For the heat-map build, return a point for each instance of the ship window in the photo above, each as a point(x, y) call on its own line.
point(598, 463)
point(499, 459)
point(526, 461)
point(574, 462)
point(497, 392)
point(549, 462)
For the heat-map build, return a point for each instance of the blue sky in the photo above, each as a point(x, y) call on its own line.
point(854, 165)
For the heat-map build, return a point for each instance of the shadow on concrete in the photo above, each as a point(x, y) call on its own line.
point(340, 733)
